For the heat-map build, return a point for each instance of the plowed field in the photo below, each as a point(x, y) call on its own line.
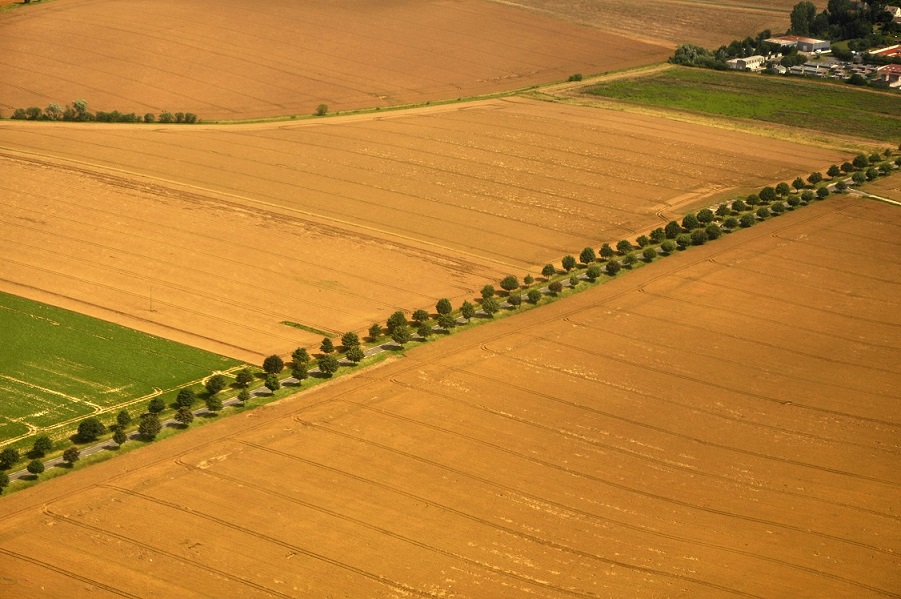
point(724, 423)
point(230, 59)
point(710, 23)
point(216, 235)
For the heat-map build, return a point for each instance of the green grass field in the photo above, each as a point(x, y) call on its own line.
point(56, 365)
point(795, 101)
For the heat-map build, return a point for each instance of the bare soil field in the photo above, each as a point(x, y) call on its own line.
point(885, 187)
point(227, 59)
point(724, 423)
point(215, 235)
point(674, 22)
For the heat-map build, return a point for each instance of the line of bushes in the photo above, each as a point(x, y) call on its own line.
point(78, 111)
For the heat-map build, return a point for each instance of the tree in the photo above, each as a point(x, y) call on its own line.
point(860, 161)
point(273, 364)
point(847, 167)
point(668, 246)
point(446, 321)
point(658, 235)
point(509, 283)
point(185, 416)
point(528, 280)
point(356, 354)
point(722, 210)
point(822, 193)
point(487, 291)
point(326, 346)
point(322, 110)
point(213, 404)
point(782, 189)
point(467, 310)
point(672, 229)
point(515, 300)
point(149, 426)
point(754, 199)
point(834, 171)
point(395, 320)
point(594, 271)
point(4, 481)
point(807, 196)
point(444, 306)
point(698, 237)
point(156, 405)
point(763, 212)
point(123, 418)
point(607, 252)
point(739, 206)
point(568, 263)
point(185, 398)
point(747, 220)
point(534, 296)
point(300, 356)
point(245, 377)
point(402, 335)
point(683, 241)
point(42, 446)
point(375, 331)
point(351, 339)
point(587, 256)
point(548, 271)
point(89, 429)
point(574, 281)
point(613, 267)
point(8, 457)
point(630, 259)
point(798, 183)
point(858, 178)
point(272, 383)
point(794, 201)
point(119, 437)
point(767, 194)
point(642, 241)
point(815, 178)
point(874, 158)
point(243, 396)
point(623, 246)
point(872, 174)
point(215, 384)
point(299, 371)
point(555, 287)
point(705, 216)
point(778, 208)
point(713, 231)
point(490, 306)
point(731, 222)
point(35, 467)
point(802, 18)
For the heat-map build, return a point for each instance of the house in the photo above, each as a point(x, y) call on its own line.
point(895, 11)
point(890, 74)
point(751, 63)
point(889, 52)
point(804, 44)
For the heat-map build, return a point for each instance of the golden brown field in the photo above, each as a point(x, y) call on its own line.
point(709, 23)
point(724, 423)
point(227, 59)
point(335, 224)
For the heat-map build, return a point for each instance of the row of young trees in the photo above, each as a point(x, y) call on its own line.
point(78, 111)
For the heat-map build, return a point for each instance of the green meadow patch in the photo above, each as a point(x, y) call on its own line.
point(795, 101)
point(58, 366)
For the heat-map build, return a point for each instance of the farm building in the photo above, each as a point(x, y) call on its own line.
point(751, 63)
point(890, 74)
point(804, 44)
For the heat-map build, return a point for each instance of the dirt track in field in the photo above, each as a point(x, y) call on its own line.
point(723, 423)
point(709, 23)
point(229, 59)
point(336, 224)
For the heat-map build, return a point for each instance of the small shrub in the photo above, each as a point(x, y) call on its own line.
point(321, 110)
point(575, 77)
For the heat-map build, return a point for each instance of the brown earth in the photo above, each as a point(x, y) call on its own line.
point(335, 224)
point(710, 23)
point(724, 423)
point(227, 59)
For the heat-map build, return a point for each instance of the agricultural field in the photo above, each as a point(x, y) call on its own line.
point(227, 59)
point(216, 236)
point(57, 367)
point(885, 187)
point(791, 101)
point(724, 423)
point(710, 23)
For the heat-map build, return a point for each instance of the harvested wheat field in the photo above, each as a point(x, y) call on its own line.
point(227, 59)
point(335, 224)
point(671, 22)
point(723, 423)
